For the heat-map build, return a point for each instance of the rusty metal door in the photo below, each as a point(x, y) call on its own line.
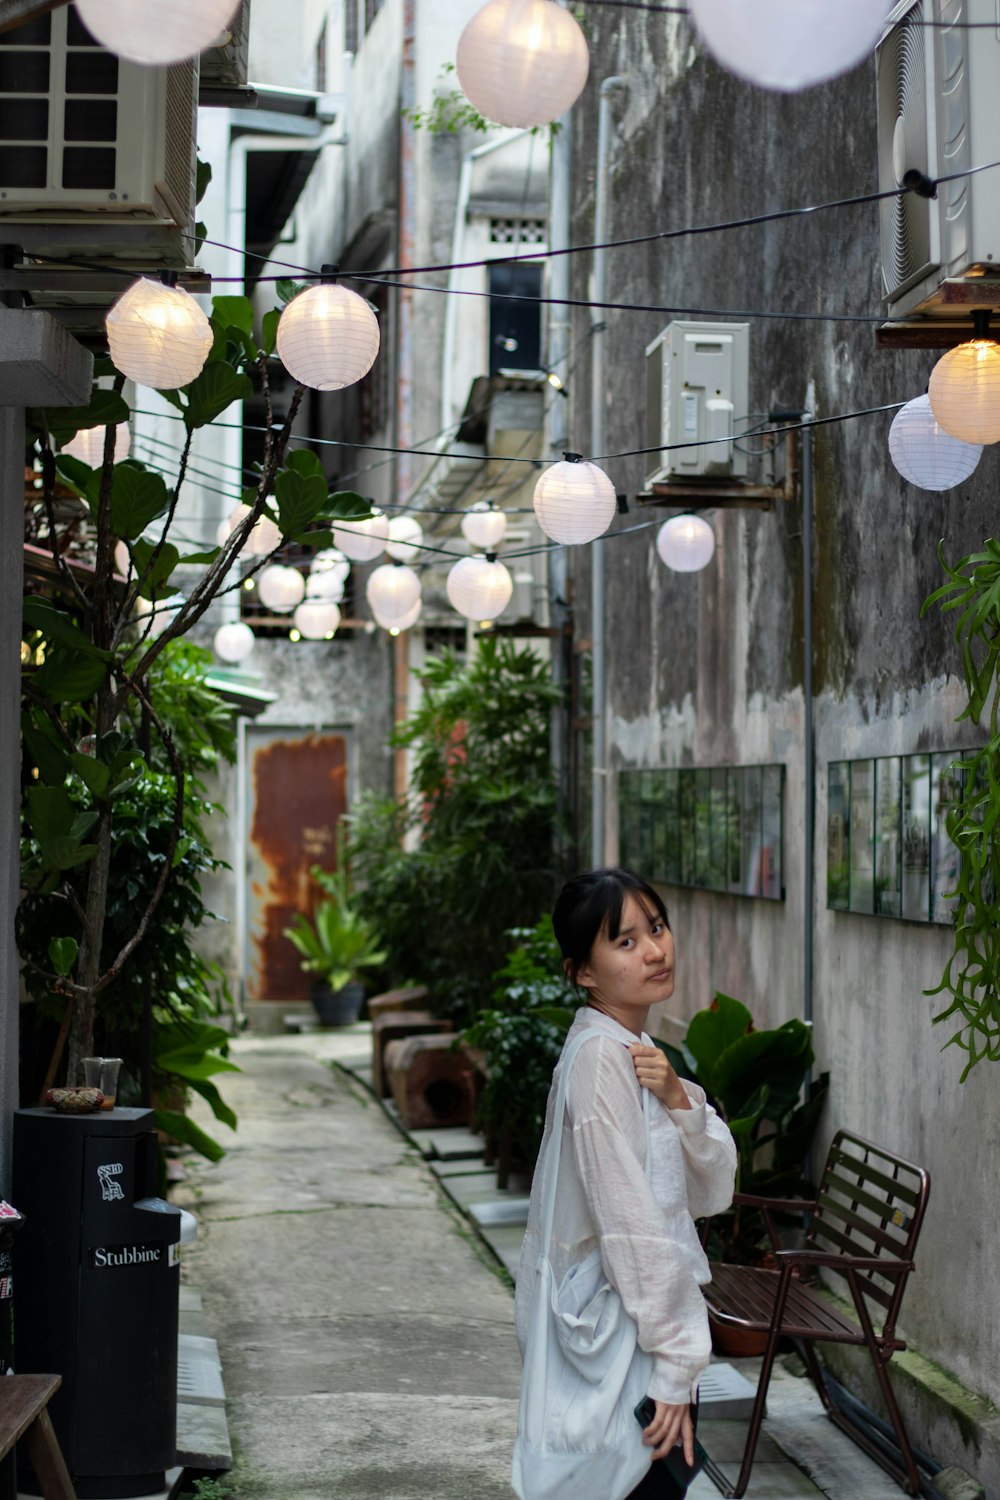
point(297, 790)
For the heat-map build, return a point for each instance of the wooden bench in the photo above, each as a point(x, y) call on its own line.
point(23, 1415)
point(863, 1226)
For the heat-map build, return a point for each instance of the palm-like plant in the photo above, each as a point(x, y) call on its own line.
point(337, 943)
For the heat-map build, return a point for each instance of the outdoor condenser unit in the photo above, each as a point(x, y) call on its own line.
point(95, 152)
point(938, 113)
point(697, 383)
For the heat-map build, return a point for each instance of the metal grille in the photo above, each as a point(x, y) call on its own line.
point(517, 231)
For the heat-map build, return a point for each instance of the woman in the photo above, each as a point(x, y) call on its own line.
point(618, 951)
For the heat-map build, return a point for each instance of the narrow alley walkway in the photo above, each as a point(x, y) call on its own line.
point(366, 1340)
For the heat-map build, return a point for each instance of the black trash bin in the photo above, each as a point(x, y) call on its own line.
point(98, 1276)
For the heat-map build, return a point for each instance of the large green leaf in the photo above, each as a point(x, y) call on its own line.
point(64, 852)
point(105, 409)
point(300, 500)
point(220, 1109)
point(74, 473)
point(217, 387)
point(305, 462)
point(56, 625)
point(50, 810)
point(711, 1032)
point(138, 497)
point(154, 584)
point(233, 312)
point(62, 954)
point(269, 329)
point(69, 676)
point(182, 1128)
point(95, 776)
point(46, 753)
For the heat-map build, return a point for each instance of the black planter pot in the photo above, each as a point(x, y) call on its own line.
point(336, 1007)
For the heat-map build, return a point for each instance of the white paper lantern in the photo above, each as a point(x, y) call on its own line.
point(924, 453)
point(406, 537)
point(392, 591)
point(317, 619)
point(158, 335)
point(331, 560)
point(88, 445)
point(574, 501)
point(964, 391)
point(328, 586)
point(233, 642)
point(264, 537)
point(685, 543)
point(522, 62)
point(281, 588)
point(328, 337)
point(238, 515)
point(174, 32)
point(478, 588)
point(123, 559)
point(402, 622)
point(789, 44)
point(362, 541)
point(484, 526)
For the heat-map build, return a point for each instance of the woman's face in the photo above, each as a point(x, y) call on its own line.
point(636, 969)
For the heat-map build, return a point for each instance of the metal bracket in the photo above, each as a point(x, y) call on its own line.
point(735, 495)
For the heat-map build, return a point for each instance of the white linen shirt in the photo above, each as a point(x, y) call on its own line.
point(649, 1247)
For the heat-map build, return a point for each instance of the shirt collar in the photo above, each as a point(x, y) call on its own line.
point(588, 1016)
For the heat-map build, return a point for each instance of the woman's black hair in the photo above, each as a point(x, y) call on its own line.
point(590, 904)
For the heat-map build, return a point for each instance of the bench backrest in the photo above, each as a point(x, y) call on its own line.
point(871, 1202)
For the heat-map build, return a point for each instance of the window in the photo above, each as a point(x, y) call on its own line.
point(515, 327)
point(718, 828)
point(351, 25)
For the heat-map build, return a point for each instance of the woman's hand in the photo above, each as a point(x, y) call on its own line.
point(670, 1426)
point(653, 1070)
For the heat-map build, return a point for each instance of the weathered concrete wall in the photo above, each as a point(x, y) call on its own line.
point(707, 669)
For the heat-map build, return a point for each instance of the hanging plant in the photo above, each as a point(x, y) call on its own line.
point(971, 976)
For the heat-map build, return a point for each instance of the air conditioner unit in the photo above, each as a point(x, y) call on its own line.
point(97, 154)
point(697, 384)
point(938, 114)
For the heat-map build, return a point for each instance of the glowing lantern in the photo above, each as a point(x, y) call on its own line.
point(479, 588)
point(484, 526)
point(406, 536)
point(362, 541)
point(401, 622)
point(522, 62)
point(392, 591)
point(924, 453)
point(233, 642)
point(88, 445)
point(789, 44)
point(176, 31)
point(685, 543)
point(574, 501)
point(317, 619)
point(328, 337)
point(964, 391)
point(158, 335)
point(328, 585)
point(281, 588)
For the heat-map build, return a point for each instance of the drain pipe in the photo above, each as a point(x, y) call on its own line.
point(598, 328)
point(557, 441)
point(810, 738)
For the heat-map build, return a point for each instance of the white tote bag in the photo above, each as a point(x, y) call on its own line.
point(584, 1373)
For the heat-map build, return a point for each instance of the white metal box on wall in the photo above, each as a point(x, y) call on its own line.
point(938, 114)
point(697, 393)
point(90, 140)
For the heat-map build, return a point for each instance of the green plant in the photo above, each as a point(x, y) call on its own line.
point(211, 1489)
point(755, 1079)
point(472, 854)
point(92, 727)
point(971, 976)
point(521, 1036)
point(337, 943)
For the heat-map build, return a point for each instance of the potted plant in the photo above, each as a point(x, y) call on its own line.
point(755, 1079)
point(336, 944)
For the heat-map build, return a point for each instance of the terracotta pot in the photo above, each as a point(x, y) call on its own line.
point(736, 1343)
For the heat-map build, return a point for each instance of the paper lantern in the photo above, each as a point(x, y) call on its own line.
point(281, 588)
point(175, 32)
point(522, 62)
point(88, 445)
point(392, 591)
point(484, 525)
point(574, 501)
point(685, 543)
point(233, 642)
point(330, 560)
point(328, 586)
point(964, 391)
point(924, 453)
point(327, 337)
point(237, 515)
point(264, 537)
point(317, 619)
point(362, 541)
point(479, 588)
point(789, 44)
point(158, 335)
point(406, 537)
point(123, 559)
point(402, 622)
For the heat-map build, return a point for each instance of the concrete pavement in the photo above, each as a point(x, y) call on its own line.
point(366, 1332)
